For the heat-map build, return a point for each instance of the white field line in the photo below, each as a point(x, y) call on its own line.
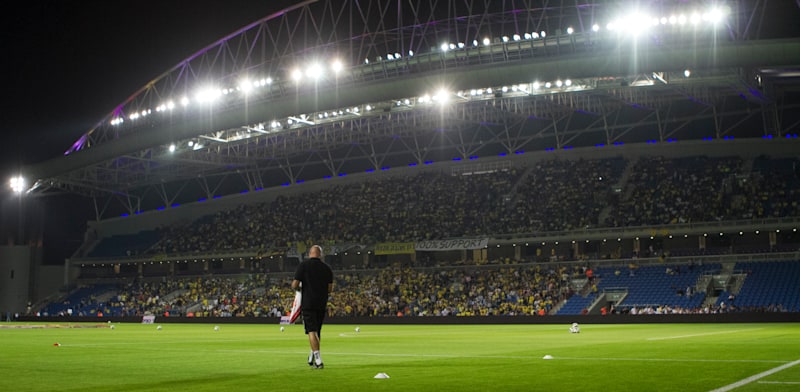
point(756, 377)
point(412, 355)
point(780, 382)
point(703, 334)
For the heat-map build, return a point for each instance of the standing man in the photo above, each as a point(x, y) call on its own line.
point(315, 279)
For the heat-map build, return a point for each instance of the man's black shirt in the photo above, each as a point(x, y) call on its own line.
point(315, 276)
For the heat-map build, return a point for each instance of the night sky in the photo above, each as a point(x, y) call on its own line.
point(67, 63)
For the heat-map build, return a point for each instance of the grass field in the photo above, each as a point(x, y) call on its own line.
point(195, 357)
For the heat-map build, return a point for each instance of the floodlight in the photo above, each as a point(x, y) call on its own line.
point(475, 42)
point(452, 46)
point(297, 75)
point(536, 85)
point(184, 101)
point(207, 94)
point(715, 15)
point(527, 36)
point(246, 85)
point(547, 85)
point(337, 66)
point(314, 71)
point(389, 56)
point(516, 37)
point(461, 45)
point(170, 105)
point(568, 82)
point(682, 19)
point(17, 184)
point(570, 30)
point(595, 27)
point(543, 34)
point(673, 19)
point(410, 53)
point(694, 18)
point(444, 47)
point(505, 38)
point(559, 83)
point(171, 148)
point(486, 41)
point(687, 73)
point(442, 96)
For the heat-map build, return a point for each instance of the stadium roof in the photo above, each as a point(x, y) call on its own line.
point(325, 88)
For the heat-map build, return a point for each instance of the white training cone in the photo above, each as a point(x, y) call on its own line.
point(381, 375)
point(548, 356)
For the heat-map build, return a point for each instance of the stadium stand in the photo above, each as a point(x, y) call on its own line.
point(551, 196)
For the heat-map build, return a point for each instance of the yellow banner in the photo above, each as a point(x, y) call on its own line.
point(394, 248)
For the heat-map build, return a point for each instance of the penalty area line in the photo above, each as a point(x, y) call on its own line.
point(756, 377)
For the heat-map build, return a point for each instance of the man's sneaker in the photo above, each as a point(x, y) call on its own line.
point(320, 366)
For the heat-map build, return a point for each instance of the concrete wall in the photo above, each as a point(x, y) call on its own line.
point(16, 274)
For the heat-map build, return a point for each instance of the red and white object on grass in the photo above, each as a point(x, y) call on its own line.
point(296, 308)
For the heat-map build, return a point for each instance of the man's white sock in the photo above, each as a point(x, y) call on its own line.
point(317, 358)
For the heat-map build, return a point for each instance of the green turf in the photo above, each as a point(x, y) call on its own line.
point(194, 357)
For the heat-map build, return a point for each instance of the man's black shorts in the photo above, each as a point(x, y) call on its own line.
point(313, 319)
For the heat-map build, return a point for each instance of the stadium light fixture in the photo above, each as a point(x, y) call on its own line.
point(314, 72)
point(337, 66)
point(444, 47)
point(297, 75)
point(245, 86)
point(486, 41)
point(207, 94)
point(172, 148)
point(687, 73)
point(570, 30)
point(17, 184)
point(595, 27)
point(184, 101)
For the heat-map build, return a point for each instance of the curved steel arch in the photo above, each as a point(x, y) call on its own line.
point(133, 161)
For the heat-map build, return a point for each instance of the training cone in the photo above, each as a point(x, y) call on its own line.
point(547, 357)
point(381, 375)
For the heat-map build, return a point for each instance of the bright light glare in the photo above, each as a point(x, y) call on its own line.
point(687, 73)
point(171, 148)
point(715, 15)
point(17, 184)
point(314, 71)
point(570, 30)
point(297, 75)
point(246, 86)
point(595, 27)
point(486, 41)
point(337, 66)
point(444, 47)
point(442, 96)
point(207, 95)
